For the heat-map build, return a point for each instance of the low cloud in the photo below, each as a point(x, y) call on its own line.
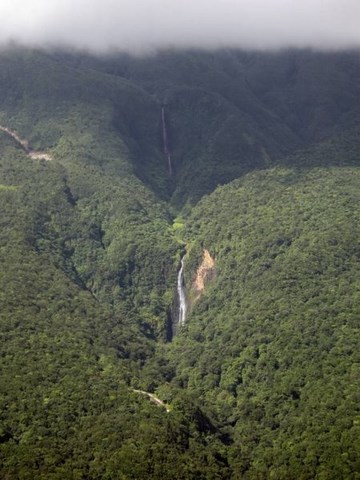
point(146, 25)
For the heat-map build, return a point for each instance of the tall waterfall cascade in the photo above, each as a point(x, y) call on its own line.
point(165, 140)
point(181, 295)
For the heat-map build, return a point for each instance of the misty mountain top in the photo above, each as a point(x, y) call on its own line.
point(153, 24)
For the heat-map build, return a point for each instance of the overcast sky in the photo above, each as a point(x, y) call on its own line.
point(142, 25)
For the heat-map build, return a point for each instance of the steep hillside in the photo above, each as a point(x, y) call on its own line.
point(232, 111)
point(87, 268)
point(227, 112)
point(271, 346)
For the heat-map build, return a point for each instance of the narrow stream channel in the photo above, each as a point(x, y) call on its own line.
point(165, 140)
point(181, 295)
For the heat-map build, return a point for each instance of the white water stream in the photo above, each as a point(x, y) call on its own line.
point(181, 295)
point(165, 140)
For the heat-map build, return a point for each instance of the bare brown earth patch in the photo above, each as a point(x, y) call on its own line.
point(204, 273)
point(24, 144)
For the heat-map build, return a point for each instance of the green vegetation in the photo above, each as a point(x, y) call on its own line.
point(283, 312)
point(263, 379)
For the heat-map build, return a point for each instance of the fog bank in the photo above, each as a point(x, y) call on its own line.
point(151, 24)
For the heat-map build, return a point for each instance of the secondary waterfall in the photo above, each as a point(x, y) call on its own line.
point(165, 140)
point(181, 295)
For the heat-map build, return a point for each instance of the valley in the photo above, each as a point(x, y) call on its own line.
point(179, 285)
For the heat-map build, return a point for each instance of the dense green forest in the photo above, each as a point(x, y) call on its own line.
point(263, 379)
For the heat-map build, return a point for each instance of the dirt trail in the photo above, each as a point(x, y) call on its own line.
point(24, 144)
point(154, 399)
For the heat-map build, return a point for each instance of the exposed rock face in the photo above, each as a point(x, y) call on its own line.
point(205, 272)
point(39, 155)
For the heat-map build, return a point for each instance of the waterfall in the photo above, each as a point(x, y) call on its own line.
point(165, 140)
point(181, 295)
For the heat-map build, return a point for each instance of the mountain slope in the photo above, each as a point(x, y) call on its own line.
point(85, 288)
point(232, 111)
point(262, 381)
point(283, 311)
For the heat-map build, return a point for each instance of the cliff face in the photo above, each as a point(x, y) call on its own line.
point(204, 273)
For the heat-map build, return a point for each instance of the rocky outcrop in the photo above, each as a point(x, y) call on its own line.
point(204, 273)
